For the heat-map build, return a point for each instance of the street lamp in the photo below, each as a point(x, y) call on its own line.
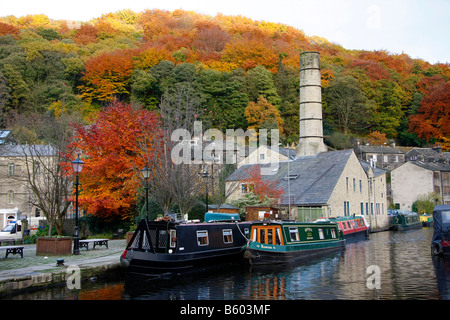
point(146, 175)
point(77, 166)
point(204, 174)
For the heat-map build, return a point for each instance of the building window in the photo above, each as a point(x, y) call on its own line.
point(396, 158)
point(261, 156)
point(354, 184)
point(360, 186)
point(10, 197)
point(362, 207)
point(11, 169)
point(385, 159)
point(346, 182)
point(244, 188)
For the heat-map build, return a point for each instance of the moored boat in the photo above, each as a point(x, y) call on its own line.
point(354, 228)
point(404, 220)
point(284, 242)
point(440, 244)
point(426, 219)
point(168, 245)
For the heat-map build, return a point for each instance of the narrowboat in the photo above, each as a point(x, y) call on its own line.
point(285, 242)
point(404, 220)
point(426, 219)
point(354, 228)
point(440, 244)
point(169, 246)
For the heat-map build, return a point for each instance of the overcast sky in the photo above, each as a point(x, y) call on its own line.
point(418, 28)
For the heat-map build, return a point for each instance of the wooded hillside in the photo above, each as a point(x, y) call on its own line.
point(221, 65)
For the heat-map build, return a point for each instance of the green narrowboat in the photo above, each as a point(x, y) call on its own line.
point(402, 221)
point(285, 242)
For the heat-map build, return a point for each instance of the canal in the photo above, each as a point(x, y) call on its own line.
point(391, 265)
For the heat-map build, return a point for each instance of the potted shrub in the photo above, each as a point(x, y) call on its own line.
point(52, 245)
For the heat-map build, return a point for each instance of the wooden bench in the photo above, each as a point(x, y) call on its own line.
point(13, 250)
point(97, 242)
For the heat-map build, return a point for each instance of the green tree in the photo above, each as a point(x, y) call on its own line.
point(346, 105)
point(260, 82)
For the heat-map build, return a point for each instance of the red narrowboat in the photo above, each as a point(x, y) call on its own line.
point(354, 227)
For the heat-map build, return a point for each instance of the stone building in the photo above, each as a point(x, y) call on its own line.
point(417, 178)
point(15, 192)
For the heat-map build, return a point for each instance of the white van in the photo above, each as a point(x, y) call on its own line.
point(13, 230)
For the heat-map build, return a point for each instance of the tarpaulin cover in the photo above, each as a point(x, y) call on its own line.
point(441, 219)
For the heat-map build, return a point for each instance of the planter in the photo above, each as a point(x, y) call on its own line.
point(129, 235)
point(49, 246)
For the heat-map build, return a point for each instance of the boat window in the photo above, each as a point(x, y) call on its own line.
point(247, 232)
point(278, 236)
point(269, 236)
point(262, 235)
point(162, 239)
point(202, 238)
point(446, 216)
point(173, 238)
point(227, 236)
point(321, 234)
point(293, 232)
point(255, 234)
point(333, 233)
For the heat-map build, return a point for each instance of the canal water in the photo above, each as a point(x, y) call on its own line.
point(391, 265)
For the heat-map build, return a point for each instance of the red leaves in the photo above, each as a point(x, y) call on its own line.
point(433, 117)
point(111, 152)
point(262, 188)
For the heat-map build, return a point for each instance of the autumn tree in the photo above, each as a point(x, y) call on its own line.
point(262, 113)
point(377, 138)
point(265, 190)
point(107, 76)
point(110, 149)
point(433, 116)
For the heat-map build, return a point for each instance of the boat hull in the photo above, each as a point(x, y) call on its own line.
point(405, 227)
point(258, 254)
point(168, 247)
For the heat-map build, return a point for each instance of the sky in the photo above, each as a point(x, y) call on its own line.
point(418, 28)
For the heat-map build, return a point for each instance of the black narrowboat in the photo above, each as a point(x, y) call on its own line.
point(440, 244)
point(170, 246)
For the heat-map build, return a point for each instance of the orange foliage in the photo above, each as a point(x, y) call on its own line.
point(150, 57)
point(86, 34)
point(377, 138)
point(107, 75)
point(111, 152)
point(433, 116)
point(260, 112)
point(8, 29)
point(248, 54)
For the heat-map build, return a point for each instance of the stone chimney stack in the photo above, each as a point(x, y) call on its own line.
point(311, 131)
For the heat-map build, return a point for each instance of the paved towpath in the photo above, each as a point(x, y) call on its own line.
point(18, 273)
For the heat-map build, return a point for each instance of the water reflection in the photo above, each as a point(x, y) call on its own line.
point(408, 271)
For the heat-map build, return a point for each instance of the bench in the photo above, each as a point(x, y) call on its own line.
point(13, 250)
point(97, 242)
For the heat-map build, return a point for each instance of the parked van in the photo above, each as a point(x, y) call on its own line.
point(13, 230)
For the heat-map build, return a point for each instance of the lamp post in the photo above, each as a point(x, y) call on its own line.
point(146, 175)
point(77, 166)
point(205, 174)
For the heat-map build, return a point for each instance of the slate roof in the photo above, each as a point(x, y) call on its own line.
point(317, 177)
point(432, 166)
point(380, 150)
point(21, 150)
